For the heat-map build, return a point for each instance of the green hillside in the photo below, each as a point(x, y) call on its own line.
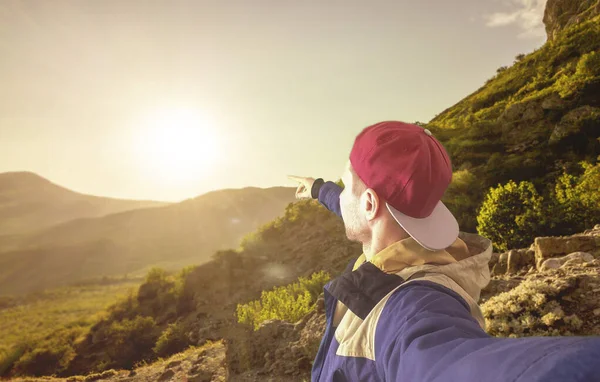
point(27, 321)
point(530, 121)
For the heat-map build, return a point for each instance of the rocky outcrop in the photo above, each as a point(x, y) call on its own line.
point(279, 349)
point(572, 259)
point(512, 261)
point(572, 122)
point(563, 301)
point(561, 14)
point(560, 249)
point(549, 247)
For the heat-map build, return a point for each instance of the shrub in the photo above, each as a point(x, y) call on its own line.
point(510, 215)
point(576, 201)
point(128, 341)
point(289, 303)
point(49, 356)
point(530, 309)
point(519, 57)
point(172, 340)
point(587, 68)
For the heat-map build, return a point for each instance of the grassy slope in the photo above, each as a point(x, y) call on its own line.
point(532, 119)
point(42, 314)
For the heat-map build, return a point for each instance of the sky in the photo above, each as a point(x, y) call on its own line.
point(167, 100)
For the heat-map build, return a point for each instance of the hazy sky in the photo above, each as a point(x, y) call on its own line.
point(266, 87)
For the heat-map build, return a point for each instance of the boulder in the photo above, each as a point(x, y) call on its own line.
point(572, 259)
point(548, 247)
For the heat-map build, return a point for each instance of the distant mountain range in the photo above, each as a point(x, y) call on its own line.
point(57, 236)
point(29, 203)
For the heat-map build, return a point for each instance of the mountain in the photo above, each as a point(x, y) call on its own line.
point(534, 119)
point(29, 203)
point(561, 14)
point(170, 236)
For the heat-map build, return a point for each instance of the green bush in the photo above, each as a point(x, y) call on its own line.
point(127, 342)
point(159, 295)
point(289, 303)
point(586, 69)
point(172, 340)
point(589, 65)
point(50, 355)
point(510, 215)
point(576, 201)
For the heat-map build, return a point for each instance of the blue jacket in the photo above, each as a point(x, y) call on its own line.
point(401, 318)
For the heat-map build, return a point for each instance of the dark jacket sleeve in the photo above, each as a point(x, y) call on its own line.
point(426, 333)
point(328, 195)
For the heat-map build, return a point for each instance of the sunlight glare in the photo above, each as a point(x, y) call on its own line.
point(178, 144)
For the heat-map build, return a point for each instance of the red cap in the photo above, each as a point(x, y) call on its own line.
point(410, 169)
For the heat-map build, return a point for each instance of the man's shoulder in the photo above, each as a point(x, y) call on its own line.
point(350, 265)
point(422, 296)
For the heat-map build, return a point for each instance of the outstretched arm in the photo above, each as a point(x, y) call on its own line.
point(328, 194)
point(426, 334)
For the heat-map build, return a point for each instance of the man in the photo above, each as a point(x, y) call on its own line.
point(406, 309)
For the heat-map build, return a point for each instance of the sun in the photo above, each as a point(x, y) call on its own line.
point(177, 144)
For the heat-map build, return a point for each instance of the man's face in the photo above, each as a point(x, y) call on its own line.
point(350, 205)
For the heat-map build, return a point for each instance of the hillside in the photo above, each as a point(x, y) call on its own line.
point(36, 316)
point(283, 351)
point(533, 119)
point(29, 203)
point(306, 239)
point(128, 242)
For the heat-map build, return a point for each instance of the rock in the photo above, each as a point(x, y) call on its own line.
point(519, 259)
point(561, 14)
point(572, 122)
point(577, 258)
point(597, 312)
point(493, 259)
point(203, 376)
point(172, 364)
point(513, 261)
point(533, 113)
point(502, 264)
point(553, 102)
point(550, 264)
point(548, 247)
point(572, 259)
point(513, 113)
point(166, 375)
point(132, 373)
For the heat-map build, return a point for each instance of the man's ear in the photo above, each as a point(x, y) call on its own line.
point(370, 203)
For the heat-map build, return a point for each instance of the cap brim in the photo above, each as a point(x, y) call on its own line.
point(437, 231)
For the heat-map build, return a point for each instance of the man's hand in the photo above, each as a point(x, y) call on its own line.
point(305, 187)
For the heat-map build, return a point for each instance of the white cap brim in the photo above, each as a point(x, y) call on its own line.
point(437, 231)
